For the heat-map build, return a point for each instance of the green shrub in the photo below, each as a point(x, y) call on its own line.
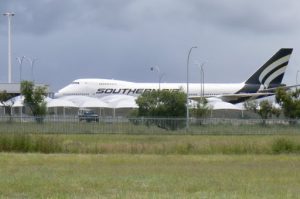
point(283, 145)
point(184, 148)
point(30, 143)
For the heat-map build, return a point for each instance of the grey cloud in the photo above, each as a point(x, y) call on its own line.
point(44, 16)
point(112, 38)
point(252, 16)
point(38, 17)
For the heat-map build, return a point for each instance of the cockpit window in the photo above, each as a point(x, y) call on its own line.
point(75, 82)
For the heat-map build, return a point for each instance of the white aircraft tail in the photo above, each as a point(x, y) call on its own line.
point(270, 75)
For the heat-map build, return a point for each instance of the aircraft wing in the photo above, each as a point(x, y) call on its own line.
point(235, 97)
point(274, 89)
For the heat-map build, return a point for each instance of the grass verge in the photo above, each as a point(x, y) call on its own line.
point(148, 176)
point(150, 144)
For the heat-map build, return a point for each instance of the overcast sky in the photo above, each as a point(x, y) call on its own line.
point(123, 39)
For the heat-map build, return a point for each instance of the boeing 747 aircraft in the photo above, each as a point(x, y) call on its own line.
point(261, 84)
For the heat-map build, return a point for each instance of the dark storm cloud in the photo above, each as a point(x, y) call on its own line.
point(253, 16)
point(36, 17)
point(43, 16)
point(121, 39)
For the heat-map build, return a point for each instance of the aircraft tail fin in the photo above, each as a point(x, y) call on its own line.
point(270, 75)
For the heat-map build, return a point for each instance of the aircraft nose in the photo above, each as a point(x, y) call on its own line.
point(57, 95)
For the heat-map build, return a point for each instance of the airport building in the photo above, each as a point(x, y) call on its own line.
point(14, 88)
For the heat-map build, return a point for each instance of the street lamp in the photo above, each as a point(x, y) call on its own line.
point(160, 75)
point(202, 72)
point(187, 87)
point(201, 77)
point(32, 61)
point(297, 79)
point(9, 16)
point(20, 60)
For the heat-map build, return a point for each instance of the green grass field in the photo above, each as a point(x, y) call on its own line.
point(149, 166)
point(148, 176)
point(150, 144)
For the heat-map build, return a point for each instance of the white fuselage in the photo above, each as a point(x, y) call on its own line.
point(104, 87)
point(261, 84)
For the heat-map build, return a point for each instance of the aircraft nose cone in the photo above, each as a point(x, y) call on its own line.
point(57, 95)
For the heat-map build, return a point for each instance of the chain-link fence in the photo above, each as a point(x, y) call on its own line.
point(109, 125)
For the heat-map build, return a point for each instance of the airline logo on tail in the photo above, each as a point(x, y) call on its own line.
point(274, 70)
point(270, 75)
point(265, 80)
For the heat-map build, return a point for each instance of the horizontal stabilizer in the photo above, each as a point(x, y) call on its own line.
point(236, 97)
point(274, 89)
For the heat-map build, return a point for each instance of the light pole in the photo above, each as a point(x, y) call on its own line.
point(202, 72)
point(201, 77)
point(187, 88)
point(9, 15)
point(32, 61)
point(160, 75)
point(297, 79)
point(20, 60)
